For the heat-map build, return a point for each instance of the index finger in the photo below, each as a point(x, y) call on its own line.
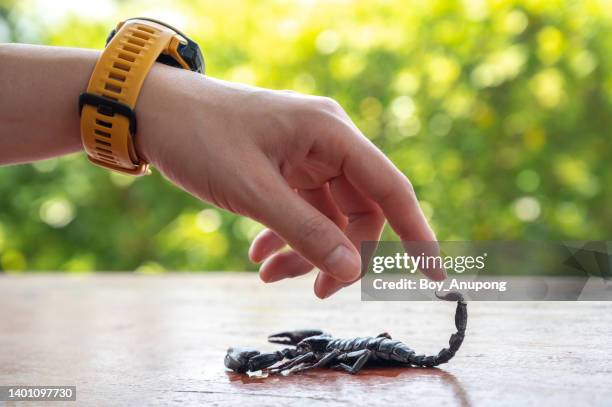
point(374, 175)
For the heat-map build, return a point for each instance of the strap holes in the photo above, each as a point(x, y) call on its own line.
point(107, 157)
point(132, 49)
point(137, 42)
point(104, 151)
point(141, 35)
point(127, 57)
point(106, 95)
point(122, 66)
point(116, 76)
point(104, 143)
point(104, 124)
point(102, 133)
point(145, 29)
point(112, 88)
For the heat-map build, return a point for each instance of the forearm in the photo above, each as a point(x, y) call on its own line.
point(40, 87)
point(38, 108)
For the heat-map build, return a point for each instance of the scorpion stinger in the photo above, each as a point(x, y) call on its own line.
point(450, 296)
point(314, 349)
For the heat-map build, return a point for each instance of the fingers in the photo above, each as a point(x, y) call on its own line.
point(318, 239)
point(322, 199)
point(284, 265)
point(376, 177)
point(266, 243)
point(370, 172)
point(365, 219)
point(291, 264)
point(325, 285)
point(371, 188)
point(366, 222)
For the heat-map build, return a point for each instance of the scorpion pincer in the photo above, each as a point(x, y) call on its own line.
point(314, 349)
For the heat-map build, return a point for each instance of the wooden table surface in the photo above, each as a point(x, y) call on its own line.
point(127, 339)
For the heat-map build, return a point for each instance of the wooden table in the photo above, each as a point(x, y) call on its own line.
point(127, 339)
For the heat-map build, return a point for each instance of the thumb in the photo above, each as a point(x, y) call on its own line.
point(308, 231)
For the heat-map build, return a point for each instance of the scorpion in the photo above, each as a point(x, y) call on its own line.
point(312, 348)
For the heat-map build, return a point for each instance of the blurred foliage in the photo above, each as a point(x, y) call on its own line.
point(498, 111)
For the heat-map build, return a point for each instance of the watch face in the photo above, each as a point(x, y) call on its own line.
point(191, 54)
point(189, 50)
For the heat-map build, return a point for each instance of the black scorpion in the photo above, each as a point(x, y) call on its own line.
point(315, 349)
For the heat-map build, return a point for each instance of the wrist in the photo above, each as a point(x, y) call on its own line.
point(152, 112)
point(163, 110)
point(108, 108)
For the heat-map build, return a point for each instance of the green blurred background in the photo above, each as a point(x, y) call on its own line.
point(500, 112)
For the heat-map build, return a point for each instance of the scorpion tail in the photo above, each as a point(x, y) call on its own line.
point(455, 340)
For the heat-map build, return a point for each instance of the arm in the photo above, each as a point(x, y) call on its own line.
point(38, 114)
point(295, 163)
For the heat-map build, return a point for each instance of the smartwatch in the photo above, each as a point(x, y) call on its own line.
point(108, 121)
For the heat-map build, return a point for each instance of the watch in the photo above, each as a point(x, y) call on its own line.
point(108, 120)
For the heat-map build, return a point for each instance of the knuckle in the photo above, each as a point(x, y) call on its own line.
point(318, 111)
point(328, 104)
point(410, 188)
point(378, 216)
point(384, 195)
point(311, 230)
point(404, 189)
point(374, 216)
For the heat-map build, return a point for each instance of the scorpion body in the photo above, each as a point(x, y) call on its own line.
point(315, 349)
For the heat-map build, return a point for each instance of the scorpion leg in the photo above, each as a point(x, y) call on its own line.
point(324, 361)
point(293, 362)
point(361, 357)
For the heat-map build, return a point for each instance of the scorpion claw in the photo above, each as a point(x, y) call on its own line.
point(293, 337)
point(451, 296)
point(237, 359)
point(242, 360)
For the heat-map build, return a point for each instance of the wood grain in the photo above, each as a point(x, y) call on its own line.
point(128, 339)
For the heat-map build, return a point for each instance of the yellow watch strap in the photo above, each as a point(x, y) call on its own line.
point(117, 78)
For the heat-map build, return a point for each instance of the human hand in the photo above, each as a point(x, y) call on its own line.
point(295, 163)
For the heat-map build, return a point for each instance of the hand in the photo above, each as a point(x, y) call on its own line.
point(295, 163)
